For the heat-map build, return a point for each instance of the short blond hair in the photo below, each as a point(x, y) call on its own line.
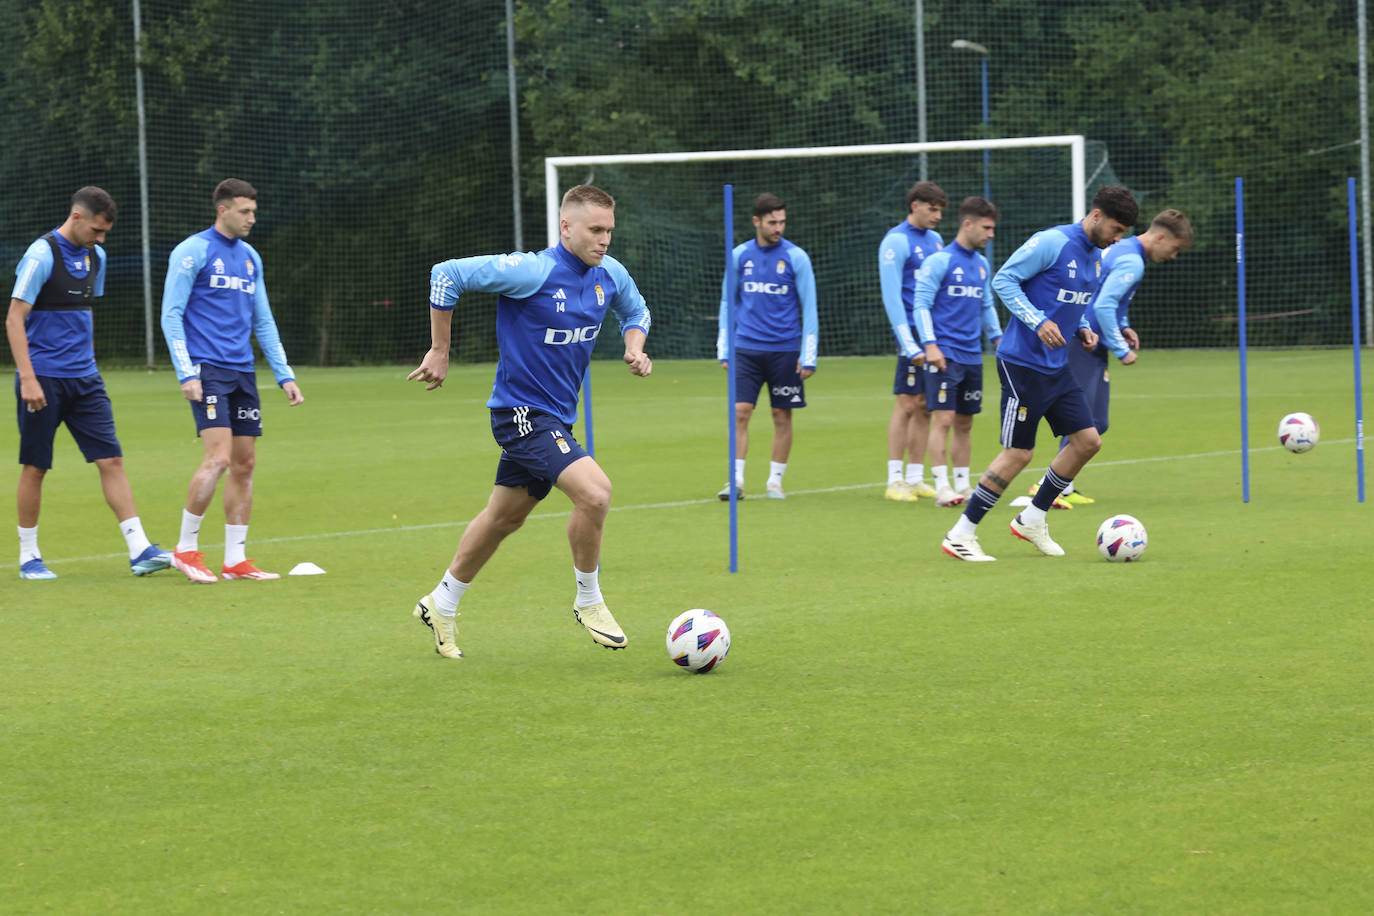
point(589, 195)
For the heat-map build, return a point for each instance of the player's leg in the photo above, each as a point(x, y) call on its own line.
point(238, 510)
point(30, 500)
point(589, 488)
point(1067, 413)
point(750, 377)
point(782, 448)
point(37, 429)
point(1089, 369)
point(217, 447)
point(918, 441)
point(906, 383)
point(787, 392)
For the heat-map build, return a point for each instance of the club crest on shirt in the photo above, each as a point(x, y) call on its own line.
point(782, 266)
point(248, 266)
point(600, 295)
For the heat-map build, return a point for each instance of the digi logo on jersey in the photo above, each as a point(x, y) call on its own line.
point(772, 289)
point(1073, 297)
point(559, 337)
point(242, 284)
point(955, 292)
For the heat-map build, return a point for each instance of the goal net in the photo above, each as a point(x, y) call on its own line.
point(841, 201)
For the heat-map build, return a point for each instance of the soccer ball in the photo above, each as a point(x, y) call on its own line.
point(1298, 432)
point(698, 640)
point(1122, 538)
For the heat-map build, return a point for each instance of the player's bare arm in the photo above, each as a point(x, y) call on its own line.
point(293, 393)
point(433, 369)
point(635, 357)
point(30, 392)
point(935, 356)
point(1049, 335)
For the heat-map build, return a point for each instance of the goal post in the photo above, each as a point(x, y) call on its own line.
point(1076, 144)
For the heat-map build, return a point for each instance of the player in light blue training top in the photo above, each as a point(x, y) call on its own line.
point(954, 309)
point(1123, 267)
point(51, 334)
point(548, 316)
point(900, 256)
point(1046, 284)
point(213, 302)
point(775, 335)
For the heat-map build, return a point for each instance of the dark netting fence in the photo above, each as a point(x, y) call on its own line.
point(378, 136)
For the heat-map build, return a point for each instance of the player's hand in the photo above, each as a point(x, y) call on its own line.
point(293, 393)
point(1129, 358)
point(1049, 335)
point(919, 360)
point(433, 369)
point(639, 362)
point(191, 390)
point(1089, 338)
point(934, 357)
point(1132, 338)
point(31, 393)
point(804, 372)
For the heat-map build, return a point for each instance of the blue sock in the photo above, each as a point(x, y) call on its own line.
point(1050, 488)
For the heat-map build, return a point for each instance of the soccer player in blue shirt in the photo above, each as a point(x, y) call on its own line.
point(1123, 267)
point(775, 335)
point(213, 302)
point(1046, 284)
point(900, 256)
point(953, 309)
point(51, 335)
point(548, 316)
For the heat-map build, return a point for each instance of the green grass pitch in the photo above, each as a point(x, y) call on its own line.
point(893, 731)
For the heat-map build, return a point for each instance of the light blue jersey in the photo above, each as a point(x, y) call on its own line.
point(1052, 276)
point(1123, 266)
point(953, 303)
point(548, 316)
point(213, 300)
point(61, 341)
point(775, 301)
point(900, 256)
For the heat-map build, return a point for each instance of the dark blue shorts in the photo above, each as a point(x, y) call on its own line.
point(83, 405)
point(1089, 368)
point(907, 378)
point(1028, 395)
point(535, 448)
point(229, 399)
point(756, 368)
point(959, 388)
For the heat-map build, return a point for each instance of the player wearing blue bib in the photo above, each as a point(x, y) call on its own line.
point(50, 331)
point(213, 302)
point(1046, 284)
point(1123, 267)
point(548, 315)
point(900, 256)
point(775, 335)
point(954, 309)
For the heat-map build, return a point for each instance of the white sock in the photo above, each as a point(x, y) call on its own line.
point(739, 473)
point(190, 532)
point(137, 541)
point(448, 593)
point(962, 528)
point(1068, 489)
point(235, 544)
point(961, 479)
point(914, 473)
point(28, 545)
point(776, 470)
point(1030, 515)
point(894, 471)
point(941, 474)
point(588, 587)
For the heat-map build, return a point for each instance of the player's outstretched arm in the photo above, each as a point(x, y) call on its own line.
point(433, 369)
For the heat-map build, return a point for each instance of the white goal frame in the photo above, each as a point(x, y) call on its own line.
point(1075, 142)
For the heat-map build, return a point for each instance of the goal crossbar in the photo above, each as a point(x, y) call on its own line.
point(1075, 143)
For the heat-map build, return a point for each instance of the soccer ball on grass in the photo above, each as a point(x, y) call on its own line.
point(1298, 432)
point(698, 640)
point(1122, 538)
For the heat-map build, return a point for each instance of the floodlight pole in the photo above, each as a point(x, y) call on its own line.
point(921, 84)
point(960, 44)
point(143, 186)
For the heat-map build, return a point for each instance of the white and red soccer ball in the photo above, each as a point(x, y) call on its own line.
point(698, 640)
point(1298, 432)
point(1122, 539)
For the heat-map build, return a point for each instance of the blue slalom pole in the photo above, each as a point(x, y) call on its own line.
point(730, 372)
point(1355, 341)
point(587, 410)
point(1240, 321)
